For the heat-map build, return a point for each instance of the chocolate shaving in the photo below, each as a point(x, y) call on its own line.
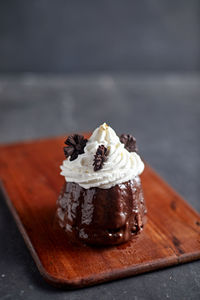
point(76, 144)
point(129, 142)
point(100, 157)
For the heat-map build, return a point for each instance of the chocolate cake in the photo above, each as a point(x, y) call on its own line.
point(102, 216)
point(101, 202)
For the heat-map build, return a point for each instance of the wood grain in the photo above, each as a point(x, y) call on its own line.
point(31, 183)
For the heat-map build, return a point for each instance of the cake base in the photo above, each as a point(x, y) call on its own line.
point(102, 216)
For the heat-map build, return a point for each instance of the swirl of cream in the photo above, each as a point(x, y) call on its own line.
point(119, 167)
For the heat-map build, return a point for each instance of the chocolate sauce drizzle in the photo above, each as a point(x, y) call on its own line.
point(102, 216)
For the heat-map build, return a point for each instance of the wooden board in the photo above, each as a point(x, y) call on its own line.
point(31, 183)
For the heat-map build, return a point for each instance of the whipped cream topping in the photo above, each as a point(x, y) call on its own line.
point(119, 167)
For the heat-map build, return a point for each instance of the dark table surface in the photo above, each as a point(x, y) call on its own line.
point(162, 111)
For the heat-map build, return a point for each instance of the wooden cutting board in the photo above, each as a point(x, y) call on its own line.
point(31, 183)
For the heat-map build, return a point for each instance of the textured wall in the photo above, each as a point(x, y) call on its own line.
point(114, 35)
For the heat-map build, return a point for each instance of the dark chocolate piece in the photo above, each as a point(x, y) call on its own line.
point(129, 142)
point(76, 144)
point(100, 157)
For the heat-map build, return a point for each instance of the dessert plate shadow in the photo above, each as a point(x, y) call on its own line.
point(30, 179)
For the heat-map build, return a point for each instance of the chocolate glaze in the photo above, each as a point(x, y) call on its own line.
point(102, 216)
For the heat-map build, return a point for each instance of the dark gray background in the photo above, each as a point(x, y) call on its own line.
point(164, 114)
point(132, 64)
point(107, 35)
